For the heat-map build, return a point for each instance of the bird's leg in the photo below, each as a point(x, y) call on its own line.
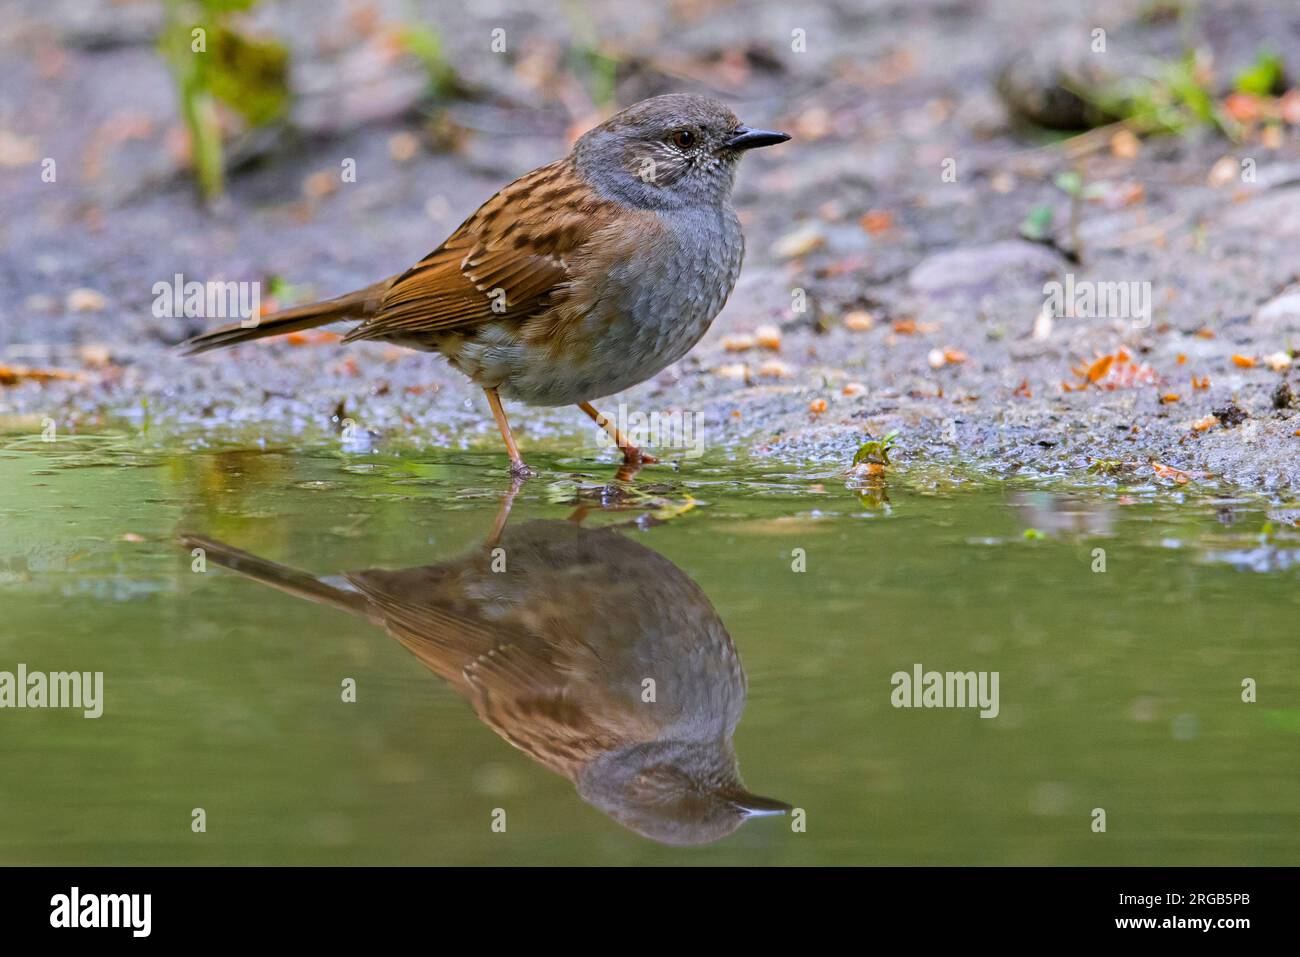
point(503, 512)
point(517, 466)
point(631, 454)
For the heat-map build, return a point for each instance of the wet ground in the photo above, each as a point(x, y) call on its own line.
point(920, 302)
point(1118, 689)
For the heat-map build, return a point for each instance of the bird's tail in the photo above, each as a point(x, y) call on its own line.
point(300, 584)
point(354, 305)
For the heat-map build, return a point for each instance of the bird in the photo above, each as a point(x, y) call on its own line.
point(576, 281)
point(593, 654)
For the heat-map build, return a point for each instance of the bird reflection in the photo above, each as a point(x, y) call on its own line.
point(592, 654)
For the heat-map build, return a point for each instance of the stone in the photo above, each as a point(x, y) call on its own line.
point(979, 268)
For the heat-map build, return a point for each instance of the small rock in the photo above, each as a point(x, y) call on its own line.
point(85, 300)
point(859, 321)
point(738, 343)
point(1274, 213)
point(1281, 313)
point(1230, 415)
point(975, 268)
point(775, 369)
point(1284, 397)
point(1278, 361)
point(801, 242)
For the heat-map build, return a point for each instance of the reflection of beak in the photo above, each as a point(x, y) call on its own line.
point(751, 805)
point(746, 139)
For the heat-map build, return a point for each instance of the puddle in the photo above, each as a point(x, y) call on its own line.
point(770, 611)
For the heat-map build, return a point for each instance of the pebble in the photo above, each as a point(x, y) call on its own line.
point(975, 267)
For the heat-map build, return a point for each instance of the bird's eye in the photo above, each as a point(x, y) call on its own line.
point(684, 138)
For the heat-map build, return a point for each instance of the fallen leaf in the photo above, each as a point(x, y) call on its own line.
point(1204, 424)
point(1169, 472)
point(1170, 397)
point(817, 406)
point(769, 337)
point(877, 221)
point(1243, 362)
point(12, 375)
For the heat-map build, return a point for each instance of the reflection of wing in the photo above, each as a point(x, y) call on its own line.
point(540, 690)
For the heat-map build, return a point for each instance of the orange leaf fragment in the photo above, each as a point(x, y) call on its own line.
point(1170, 397)
point(1205, 424)
point(12, 375)
point(1244, 362)
point(1169, 472)
point(1099, 368)
point(877, 221)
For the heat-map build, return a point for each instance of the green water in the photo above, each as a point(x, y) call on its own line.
point(1119, 690)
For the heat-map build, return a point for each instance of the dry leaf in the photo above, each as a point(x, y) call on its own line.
point(1169, 472)
point(769, 337)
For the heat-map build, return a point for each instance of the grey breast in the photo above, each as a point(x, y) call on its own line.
point(669, 295)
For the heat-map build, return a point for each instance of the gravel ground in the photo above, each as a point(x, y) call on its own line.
point(893, 218)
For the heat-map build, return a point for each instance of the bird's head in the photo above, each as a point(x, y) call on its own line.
point(674, 792)
point(669, 152)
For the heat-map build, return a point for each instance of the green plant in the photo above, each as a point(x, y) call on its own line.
point(875, 451)
point(212, 62)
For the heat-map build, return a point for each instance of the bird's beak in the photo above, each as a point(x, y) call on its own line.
point(752, 805)
point(746, 139)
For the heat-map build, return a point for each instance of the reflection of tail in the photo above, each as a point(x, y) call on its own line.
point(286, 579)
point(354, 305)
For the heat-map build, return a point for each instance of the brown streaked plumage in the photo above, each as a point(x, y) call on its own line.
point(578, 280)
point(553, 652)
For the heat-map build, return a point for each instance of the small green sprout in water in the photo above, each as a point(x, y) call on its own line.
point(1033, 535)
point(875, 451)
point(1109, 467)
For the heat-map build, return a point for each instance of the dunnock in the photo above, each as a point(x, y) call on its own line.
point(592, 654)
point(576, 281)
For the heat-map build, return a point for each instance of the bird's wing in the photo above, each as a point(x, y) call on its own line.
point(527, 688)
point(511, 259)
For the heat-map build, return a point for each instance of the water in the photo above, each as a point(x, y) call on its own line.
point(1118, 690)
